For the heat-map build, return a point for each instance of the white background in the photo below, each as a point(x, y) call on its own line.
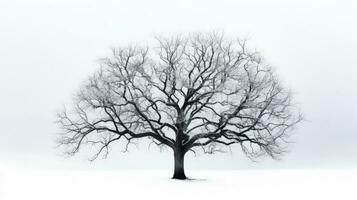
point(47, 48)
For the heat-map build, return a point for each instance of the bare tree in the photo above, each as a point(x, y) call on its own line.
point(198, 91)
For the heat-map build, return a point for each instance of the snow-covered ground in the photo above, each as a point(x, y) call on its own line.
point(150, 184)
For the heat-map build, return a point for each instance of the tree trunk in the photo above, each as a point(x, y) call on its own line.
point(179, 165)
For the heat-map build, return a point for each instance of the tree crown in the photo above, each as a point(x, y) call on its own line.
point(201, 90)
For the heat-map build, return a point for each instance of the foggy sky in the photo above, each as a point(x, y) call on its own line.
point(48, 48)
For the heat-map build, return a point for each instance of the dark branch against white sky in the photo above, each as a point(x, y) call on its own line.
point(48, 48)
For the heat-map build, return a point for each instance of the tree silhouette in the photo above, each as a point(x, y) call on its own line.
point(197, 91)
